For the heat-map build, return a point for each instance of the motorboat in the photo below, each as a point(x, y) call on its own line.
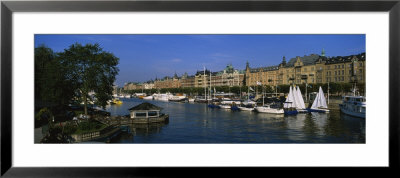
point(246, 108)
point(163, 96)
point(225, 106)
point(268, 109)
point(178, 98)
point(148, 97)
point(353, 105)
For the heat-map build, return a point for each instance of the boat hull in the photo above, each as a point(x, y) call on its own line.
point(224, 106)
point(235, 108)
point(318, 110)
point(269, 110)
point(213, 106)
point(351, 113)
point(294, 112)
point(245, 109)
point(302, 111)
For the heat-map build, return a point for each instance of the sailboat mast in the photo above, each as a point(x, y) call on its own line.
point(248, 92)
point(205, 91)
point(263, 96)
point(210, 85)
point(328, 92)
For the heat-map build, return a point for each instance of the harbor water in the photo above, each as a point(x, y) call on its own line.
point(196, 123)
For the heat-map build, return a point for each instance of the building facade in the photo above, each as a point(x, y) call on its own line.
point(227, 77)
point(310, 69)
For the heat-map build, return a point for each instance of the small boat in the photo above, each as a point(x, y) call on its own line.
point(354, 106)
point(191, 100)
point(163, 97)
point(319, 104)
point(148, 97)
point(225, 106)
point(116, 101)
point(249, 102)
point(230, 101)
point(267, 109)
point(178, 98)
point(234, 107)
point(248, 107)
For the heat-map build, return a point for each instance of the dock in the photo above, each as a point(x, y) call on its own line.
point(126, 120)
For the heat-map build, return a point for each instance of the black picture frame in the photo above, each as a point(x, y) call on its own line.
point(8, 7)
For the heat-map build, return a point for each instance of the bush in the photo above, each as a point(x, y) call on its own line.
point(89, 126)
point(43, 117)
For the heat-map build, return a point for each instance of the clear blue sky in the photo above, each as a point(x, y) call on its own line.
point(145, 57)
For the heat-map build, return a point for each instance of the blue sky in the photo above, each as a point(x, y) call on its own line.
point(145, 57)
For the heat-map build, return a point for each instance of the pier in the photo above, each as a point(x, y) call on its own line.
point(126, 120)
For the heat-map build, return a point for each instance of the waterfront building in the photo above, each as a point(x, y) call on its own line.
point(168, 82)
point(187, 81)
point(149, 85)
point(227, 77)
point(310, 69)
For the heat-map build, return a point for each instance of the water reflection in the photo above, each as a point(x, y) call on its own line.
point(196, 123)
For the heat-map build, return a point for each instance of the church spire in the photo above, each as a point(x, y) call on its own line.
point(284, 60)
point(323, 52)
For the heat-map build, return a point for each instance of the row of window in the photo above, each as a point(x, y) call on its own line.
point(328, 73)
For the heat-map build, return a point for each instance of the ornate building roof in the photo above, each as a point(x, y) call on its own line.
point(307, 60)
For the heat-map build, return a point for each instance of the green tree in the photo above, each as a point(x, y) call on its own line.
point(91, 69)
point(51, 84)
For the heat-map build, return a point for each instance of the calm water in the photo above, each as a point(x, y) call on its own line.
point(196, 123)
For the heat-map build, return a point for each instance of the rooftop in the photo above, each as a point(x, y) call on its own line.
point(145, 106)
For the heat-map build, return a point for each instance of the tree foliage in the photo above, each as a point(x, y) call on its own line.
point(68, 76)
point(91, 69)
point(51, 82)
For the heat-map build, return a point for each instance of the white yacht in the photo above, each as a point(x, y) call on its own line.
point(353, 105)
point(178, 98)
point(148, 97)
point(268, 109)
point(246, 108)
point(163, 97)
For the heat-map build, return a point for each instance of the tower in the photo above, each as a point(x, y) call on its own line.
point(323, 52)
point(284, 60)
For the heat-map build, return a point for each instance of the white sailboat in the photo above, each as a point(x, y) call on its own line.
point(290, 103)
point(319, 104)
point(300, 106)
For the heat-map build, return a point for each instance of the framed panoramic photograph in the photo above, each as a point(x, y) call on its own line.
point(103, 88)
